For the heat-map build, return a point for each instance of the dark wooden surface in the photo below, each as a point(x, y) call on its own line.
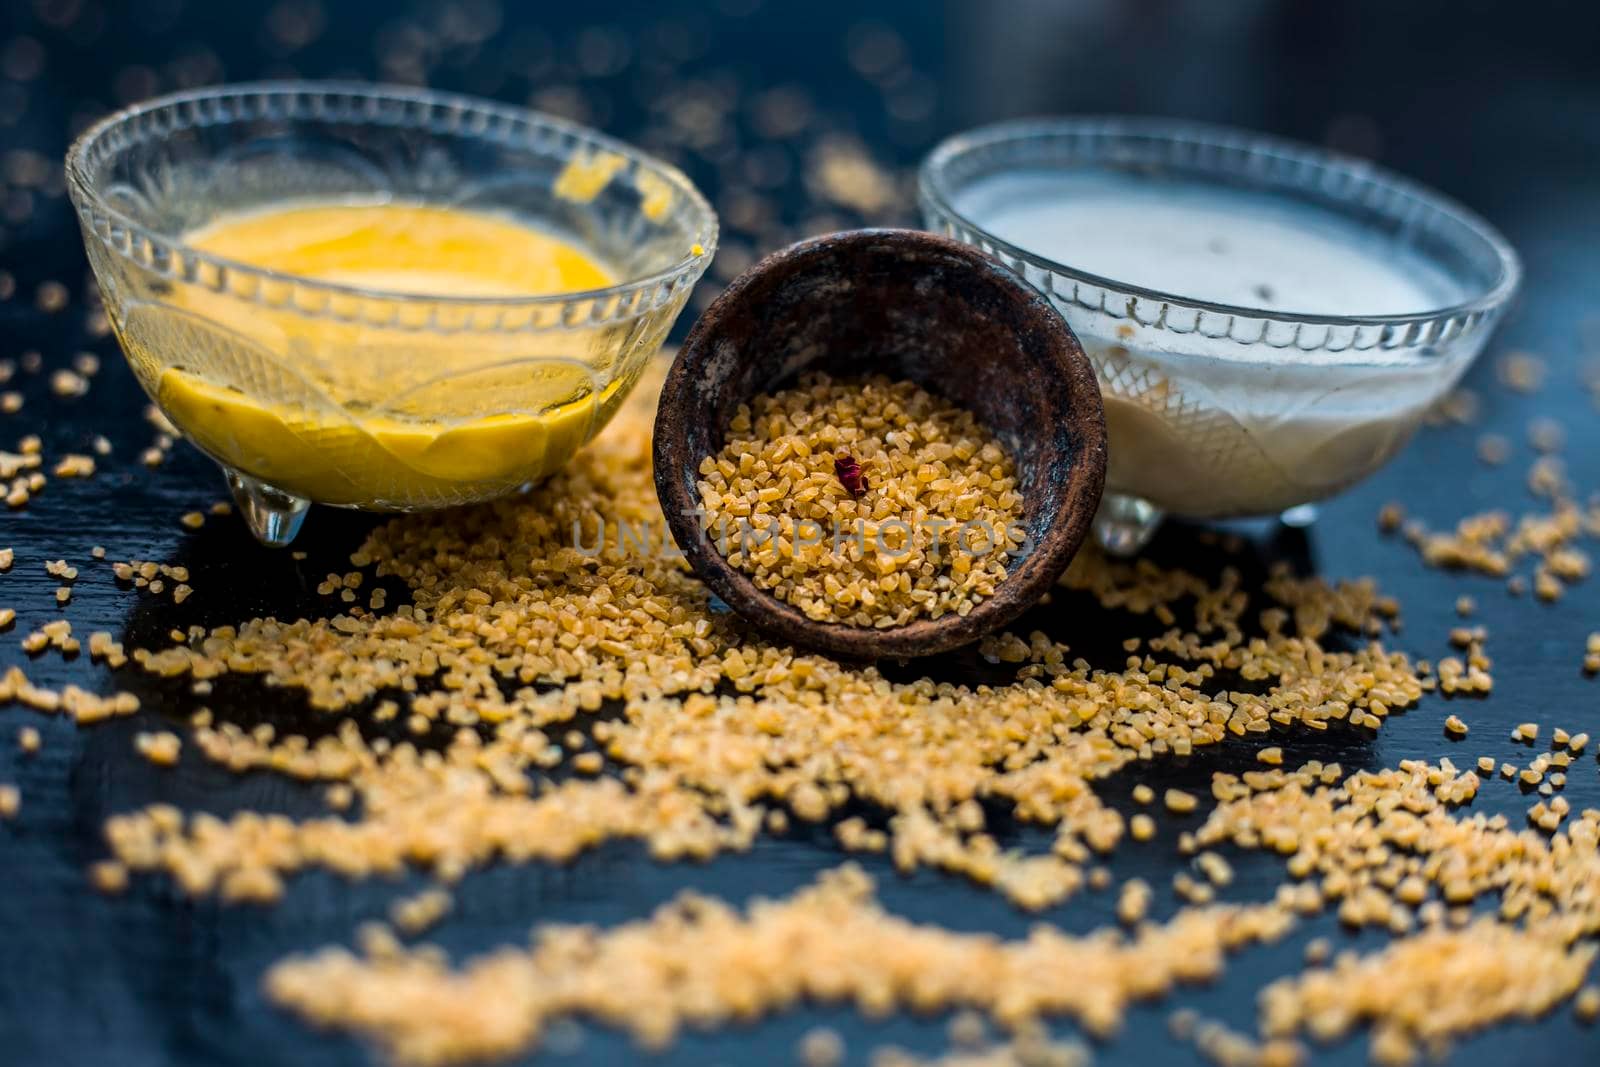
point(1498, 105)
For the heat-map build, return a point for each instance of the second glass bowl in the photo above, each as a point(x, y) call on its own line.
point(1218, 410)
point(305, 390)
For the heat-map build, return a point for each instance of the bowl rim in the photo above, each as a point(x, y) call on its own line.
point(934, 191)
point(88, 198)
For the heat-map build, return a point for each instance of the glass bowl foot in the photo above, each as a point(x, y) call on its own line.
point(1125, 524)
point(273, 515)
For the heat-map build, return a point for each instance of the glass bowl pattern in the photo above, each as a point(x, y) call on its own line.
point(1219, 411)
point(374, 399)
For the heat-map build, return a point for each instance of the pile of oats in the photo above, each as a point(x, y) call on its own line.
point(926, 530)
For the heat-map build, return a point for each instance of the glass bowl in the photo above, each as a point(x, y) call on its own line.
point(1214, 408)
point(304, 390)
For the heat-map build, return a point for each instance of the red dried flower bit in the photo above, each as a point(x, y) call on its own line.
point(849, 472)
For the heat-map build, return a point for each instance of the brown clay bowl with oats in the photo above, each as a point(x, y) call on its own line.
point(910, 306)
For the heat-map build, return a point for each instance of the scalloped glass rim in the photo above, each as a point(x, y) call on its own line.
point(188, 105)
point(1432, 326)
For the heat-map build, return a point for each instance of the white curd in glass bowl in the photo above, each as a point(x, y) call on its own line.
point(1269, 321)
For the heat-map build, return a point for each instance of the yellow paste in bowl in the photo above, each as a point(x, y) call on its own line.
point(345, 412)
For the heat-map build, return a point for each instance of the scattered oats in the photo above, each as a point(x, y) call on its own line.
point(1180, 802)
point(1228, 1048)
point(1493, 449)
point(1133, 904)
point(1215, 868)
point(51, 296)
point(821, 1047)
point(159, 748)
point(1272, 757)
point(413, 915)
point(1491, 542)
point(66, 383)
point(73, 465)
point(967, 1030)
point(1455, 727)
point(109, 877)
point(1546, 434)
point(1427, 989)
point(13, 464)
point(832, 940)
point(10, 402)
point(1587, 1004)
point(1523, 372)
point(840, 170)
point(28, 740)
point(1192, 891)
point(1030, 1047)
point(193, 520)
point(10, 801)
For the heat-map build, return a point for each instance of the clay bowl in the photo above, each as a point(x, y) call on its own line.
point(910, 305)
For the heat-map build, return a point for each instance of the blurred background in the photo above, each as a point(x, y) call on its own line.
point(803, 117)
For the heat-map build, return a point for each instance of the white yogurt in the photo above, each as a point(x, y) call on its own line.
point(1212, 426)
point(1206, 242)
